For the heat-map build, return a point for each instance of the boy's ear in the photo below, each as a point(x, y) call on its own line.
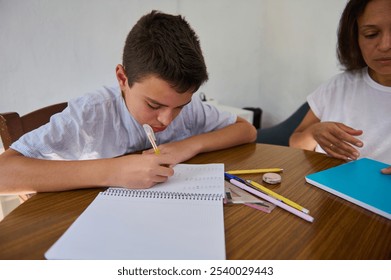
point(121, 76)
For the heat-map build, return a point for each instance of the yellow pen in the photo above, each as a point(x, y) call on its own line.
point(151, 137)
point(277, 196)
point(253, 171)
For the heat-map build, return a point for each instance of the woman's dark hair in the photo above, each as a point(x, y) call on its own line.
point(165, 46)
point(348, 49)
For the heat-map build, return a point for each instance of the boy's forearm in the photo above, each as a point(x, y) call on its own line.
point(238, 133)
point(20, 174)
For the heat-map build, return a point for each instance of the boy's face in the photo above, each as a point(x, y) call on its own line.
point(153, 101)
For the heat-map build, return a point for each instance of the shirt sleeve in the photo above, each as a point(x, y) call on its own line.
point(63, 137)
point(207, 118)
point(315, 100)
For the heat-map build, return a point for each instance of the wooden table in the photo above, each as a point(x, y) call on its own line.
point(341, 230)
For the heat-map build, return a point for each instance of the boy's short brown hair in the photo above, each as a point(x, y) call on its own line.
point(166, 46)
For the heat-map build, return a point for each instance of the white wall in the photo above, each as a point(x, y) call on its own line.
point(261, 53)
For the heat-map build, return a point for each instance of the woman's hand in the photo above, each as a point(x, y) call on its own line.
point(386, 170)
point(337, 139)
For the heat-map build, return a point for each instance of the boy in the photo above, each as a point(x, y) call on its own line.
point(84, 145)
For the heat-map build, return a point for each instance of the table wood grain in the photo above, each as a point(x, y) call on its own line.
point(341, 230)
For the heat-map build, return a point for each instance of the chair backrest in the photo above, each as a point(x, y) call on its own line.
point(280, 133)
point(12, 125)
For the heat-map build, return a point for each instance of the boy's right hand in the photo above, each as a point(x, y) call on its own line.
point(140, 171)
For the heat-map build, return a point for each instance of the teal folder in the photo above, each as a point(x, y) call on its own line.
point(359, 182)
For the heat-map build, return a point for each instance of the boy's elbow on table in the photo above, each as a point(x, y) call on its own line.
point(242, 133)
point(251, 131)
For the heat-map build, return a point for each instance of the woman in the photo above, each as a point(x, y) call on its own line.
point(350, 115)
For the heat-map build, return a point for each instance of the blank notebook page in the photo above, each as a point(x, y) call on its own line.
point(179, 219)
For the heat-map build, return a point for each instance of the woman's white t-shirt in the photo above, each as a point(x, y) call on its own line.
point(356, 100)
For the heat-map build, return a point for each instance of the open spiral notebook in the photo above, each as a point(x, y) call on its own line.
point(179, 219)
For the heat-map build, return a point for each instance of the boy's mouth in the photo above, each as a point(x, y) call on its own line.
point(158, 129)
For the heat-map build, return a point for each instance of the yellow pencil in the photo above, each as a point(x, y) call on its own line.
point(277, 196)
point(253, 171)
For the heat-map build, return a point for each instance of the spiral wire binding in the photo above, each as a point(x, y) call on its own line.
point(160, 194)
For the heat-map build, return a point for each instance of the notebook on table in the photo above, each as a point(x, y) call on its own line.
point(179, 219)
point(360, 182)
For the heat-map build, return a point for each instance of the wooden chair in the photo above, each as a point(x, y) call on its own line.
point(13, 126)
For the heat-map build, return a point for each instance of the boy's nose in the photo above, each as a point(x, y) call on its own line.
point(166, 117)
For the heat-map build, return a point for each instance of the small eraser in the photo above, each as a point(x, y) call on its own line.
point(271, 178)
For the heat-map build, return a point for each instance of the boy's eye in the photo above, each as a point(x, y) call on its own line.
point(153, 106)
